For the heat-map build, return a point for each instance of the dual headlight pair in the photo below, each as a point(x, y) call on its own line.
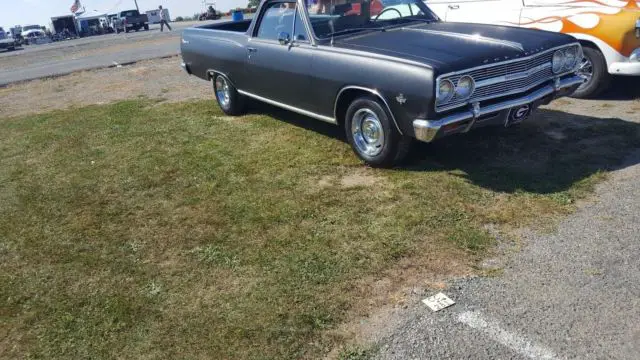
point(462, 89)
point(566, 59)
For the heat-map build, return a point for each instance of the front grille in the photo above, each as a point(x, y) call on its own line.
point(500, 88)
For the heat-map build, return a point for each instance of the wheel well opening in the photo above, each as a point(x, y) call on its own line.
point(587, 43)
point(345, 99)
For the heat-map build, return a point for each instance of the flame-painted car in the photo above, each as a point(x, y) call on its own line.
point(386, 75)
point(608, 30)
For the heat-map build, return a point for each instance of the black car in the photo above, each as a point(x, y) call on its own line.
point(386, 72)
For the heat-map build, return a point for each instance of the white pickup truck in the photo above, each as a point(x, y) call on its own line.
point(609, 30)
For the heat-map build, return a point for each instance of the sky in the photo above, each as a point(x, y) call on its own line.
point(40, 12)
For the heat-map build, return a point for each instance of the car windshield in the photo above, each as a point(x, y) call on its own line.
point(129, 13)
point(31, 27)
point(336, 17)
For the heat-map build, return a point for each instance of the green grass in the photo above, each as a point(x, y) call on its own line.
point(144, 230)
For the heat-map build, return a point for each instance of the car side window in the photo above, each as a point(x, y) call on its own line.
point(279, 17)
point(300, 32)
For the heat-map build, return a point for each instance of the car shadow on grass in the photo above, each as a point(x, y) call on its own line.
point(550, 152)
point(622, 88)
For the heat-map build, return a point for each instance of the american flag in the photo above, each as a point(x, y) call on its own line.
point(76, 6)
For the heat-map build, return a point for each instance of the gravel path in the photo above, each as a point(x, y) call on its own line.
point(573, 294)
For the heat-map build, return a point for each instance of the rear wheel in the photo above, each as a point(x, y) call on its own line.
point(594, 69)
point(230, 101)
point(372, 134)
point(146, 27)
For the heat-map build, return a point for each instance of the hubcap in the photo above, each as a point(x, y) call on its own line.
point(222, 91)
point(585, 71)
point(368, 134)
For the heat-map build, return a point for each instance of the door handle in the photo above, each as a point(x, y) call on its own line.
point(252, 49)
point(454, 7)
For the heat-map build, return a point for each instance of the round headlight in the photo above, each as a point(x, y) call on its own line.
point(445, 91)
point(570, 58)
point(465, 87)
point(558, 61)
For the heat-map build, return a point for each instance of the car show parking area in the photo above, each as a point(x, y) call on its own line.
point(120, 190)
point(64, 57)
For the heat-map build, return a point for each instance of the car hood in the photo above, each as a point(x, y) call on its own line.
point(28, 32)
point(455, 46)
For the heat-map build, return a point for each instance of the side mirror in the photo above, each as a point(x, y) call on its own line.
point(284, 38)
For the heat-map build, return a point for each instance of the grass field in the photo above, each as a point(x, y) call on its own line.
point(146, 230)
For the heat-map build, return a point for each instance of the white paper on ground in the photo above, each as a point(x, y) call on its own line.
point(438, 302)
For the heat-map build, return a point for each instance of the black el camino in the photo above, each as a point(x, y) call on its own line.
point(388, 71)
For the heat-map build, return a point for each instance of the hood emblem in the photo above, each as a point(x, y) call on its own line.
point(401, 99)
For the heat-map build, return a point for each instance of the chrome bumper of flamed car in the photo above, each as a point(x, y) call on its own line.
point(429, 130)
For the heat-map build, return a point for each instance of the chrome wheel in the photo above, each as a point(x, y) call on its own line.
point(585, 71)
point(222, 91)
point(368, 133)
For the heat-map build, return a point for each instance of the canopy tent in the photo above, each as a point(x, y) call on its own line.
point(91, 21)
point(90, 15)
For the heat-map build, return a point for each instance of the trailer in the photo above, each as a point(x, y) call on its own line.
point(66, 22)
point(154, 15)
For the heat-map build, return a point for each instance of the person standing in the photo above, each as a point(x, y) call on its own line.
point(163, 20)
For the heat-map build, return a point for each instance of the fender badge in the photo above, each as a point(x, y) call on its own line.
point(401, 99)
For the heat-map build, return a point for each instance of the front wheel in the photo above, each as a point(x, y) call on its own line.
point(372, 134)
point(230, 101)
point(594, 69)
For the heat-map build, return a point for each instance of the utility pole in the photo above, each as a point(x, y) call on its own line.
point(137, 8)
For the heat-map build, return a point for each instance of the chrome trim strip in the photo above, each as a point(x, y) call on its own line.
point(514, 76)
point(426, 130)
point(372, 91)
point(290, 108)
point(511, 44)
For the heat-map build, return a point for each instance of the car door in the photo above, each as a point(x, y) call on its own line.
point(279, 56)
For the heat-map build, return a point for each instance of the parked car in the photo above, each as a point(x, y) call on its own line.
point(609, 30)
point(385, 73)
point(34, 37)
point(6, 40)
point(130, 20)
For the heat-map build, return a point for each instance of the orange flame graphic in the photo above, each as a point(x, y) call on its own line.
point(617, 30)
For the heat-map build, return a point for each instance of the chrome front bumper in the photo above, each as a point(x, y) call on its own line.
point(428, 130)
point(630, 67)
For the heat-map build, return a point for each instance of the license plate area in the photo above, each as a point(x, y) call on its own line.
point(518, 114)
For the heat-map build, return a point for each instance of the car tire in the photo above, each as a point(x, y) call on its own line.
point(146, 27)
point(373, 135)
point(594, 68)
point(227, 96)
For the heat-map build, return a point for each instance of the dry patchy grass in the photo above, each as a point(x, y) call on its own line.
point(139, 230)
